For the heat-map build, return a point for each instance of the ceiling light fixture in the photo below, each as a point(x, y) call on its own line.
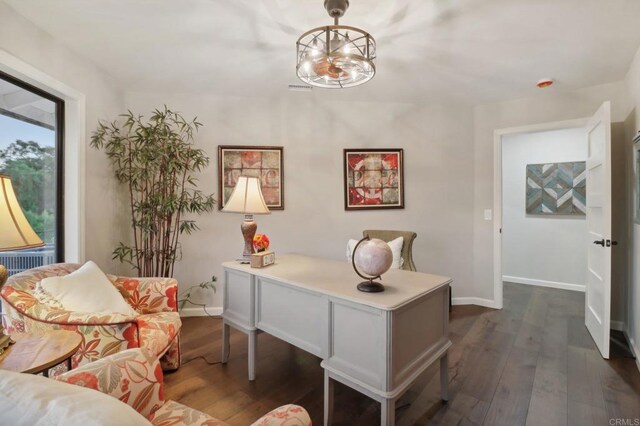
point(336, 56)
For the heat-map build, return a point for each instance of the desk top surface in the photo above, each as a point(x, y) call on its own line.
point(338, 279)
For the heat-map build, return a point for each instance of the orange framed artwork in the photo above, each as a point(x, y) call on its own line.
point(373, 179)
point(263, 162)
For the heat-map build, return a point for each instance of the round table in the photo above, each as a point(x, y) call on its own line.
point(37, 353)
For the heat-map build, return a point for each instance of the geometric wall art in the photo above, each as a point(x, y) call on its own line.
point(557, 188)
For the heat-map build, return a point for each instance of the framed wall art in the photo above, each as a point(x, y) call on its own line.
point(557, 189)
point(263, 162)
point(373, 179)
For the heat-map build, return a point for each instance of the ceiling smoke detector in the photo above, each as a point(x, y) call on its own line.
point(545, 82)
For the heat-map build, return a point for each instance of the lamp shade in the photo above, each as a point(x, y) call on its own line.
point(15, 231)
point(246, 197)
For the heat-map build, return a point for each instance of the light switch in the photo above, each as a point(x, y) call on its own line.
point(488, 214)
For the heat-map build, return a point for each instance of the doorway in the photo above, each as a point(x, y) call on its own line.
point(499, 137)
point(567, 172)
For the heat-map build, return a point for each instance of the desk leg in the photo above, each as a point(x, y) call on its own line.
point(444, 377)
point(328, 399)
point(225, 343)
point(253, 341)
point(388, 412)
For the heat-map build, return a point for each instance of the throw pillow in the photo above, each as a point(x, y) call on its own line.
point(26, 399)
point(45, 297)
point(87, 290)
point(396, 249)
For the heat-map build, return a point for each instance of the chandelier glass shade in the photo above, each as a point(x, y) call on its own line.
point(335, 57)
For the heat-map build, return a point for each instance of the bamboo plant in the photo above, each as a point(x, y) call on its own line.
point(157, 161)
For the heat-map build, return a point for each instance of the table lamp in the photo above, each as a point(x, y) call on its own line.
point(15, 234)
point(247, 199)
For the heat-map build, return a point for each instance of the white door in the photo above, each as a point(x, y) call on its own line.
point(598, 191)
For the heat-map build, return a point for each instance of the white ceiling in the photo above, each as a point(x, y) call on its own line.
point(435, 51)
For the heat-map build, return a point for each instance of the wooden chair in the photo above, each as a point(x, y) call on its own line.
point(407, 245)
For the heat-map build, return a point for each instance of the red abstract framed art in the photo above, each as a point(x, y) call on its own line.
point(373, 179)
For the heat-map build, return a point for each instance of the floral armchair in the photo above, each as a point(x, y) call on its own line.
point(156, 328)
point(135, 377)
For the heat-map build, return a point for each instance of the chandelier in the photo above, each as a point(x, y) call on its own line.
point(336, 56)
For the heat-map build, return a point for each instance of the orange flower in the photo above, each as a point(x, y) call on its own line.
point(130, 284)
point(86, 380)
point(160, 378)
point(131, 337)
point(261, 242)
point(171, 295)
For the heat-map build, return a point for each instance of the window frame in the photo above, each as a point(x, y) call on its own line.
point(59, 146)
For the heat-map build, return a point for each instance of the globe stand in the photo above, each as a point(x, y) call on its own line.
point(368, 286)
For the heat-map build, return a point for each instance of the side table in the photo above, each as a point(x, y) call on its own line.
point(37, 353)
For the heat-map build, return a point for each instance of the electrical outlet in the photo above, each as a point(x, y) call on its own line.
point(488, 214)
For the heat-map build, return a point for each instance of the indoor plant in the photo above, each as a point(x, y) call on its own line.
point(157, 161)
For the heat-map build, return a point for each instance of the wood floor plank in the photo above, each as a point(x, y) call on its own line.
point(579, 414)
point(583, 379)
point(546, 409)
point(510, 403)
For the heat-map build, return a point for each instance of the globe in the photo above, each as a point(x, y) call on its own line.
point(373, 257)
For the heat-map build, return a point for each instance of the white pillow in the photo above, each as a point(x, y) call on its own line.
point(87, 290)
point(396, 249)
point(26, 399)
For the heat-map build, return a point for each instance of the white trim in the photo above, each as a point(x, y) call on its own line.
point(544, 283)
point(497, 191)
point(618, 326)
point(474, 301)
point(74, 149)
point(632, 344)
point(197, 311)
point(634, 349)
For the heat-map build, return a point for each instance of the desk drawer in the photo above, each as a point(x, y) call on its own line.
point(292, 314)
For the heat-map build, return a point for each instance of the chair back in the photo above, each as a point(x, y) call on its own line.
point(407, 245)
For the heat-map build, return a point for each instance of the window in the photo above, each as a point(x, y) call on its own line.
point(31, 154)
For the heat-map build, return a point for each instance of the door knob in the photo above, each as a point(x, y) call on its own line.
point(599, 242)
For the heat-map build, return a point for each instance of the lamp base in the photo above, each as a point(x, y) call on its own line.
point(4, 274)
point(370, 287)
point(248, 228)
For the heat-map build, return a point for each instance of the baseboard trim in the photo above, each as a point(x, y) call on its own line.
point(474, 301)
point(618, 326)
point(544, 283)
point(200, 311)
point(632, 346)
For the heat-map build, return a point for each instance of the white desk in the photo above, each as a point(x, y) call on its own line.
point(376, 343)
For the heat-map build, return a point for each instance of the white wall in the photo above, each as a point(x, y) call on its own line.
point(23, 40)
point(537, 247)
point(632, 127)
point(314, 128)
point(554, 105)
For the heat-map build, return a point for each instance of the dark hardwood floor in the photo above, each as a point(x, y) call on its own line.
point(531, 363)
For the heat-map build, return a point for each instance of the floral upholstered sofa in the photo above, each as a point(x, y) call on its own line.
point(156, 327)
point(134, 382)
